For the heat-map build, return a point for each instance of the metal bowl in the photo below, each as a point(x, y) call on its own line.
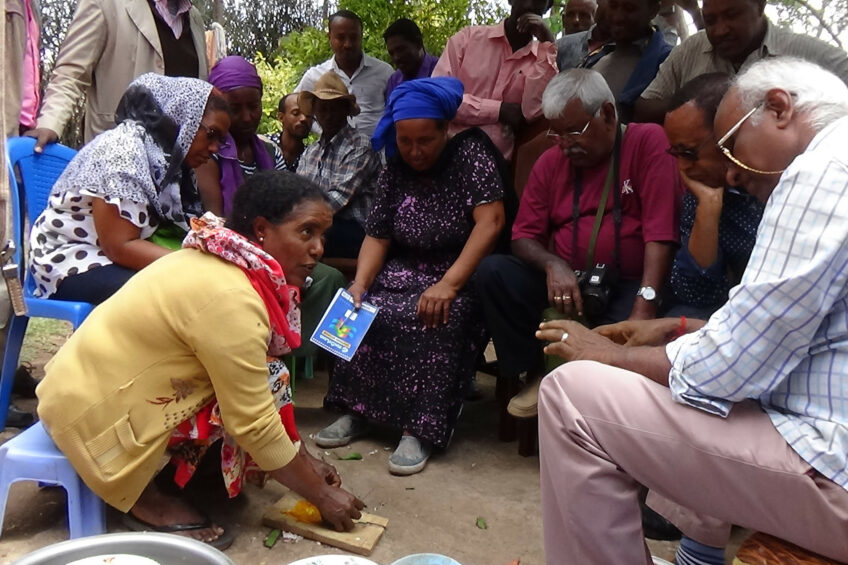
point(166, 549)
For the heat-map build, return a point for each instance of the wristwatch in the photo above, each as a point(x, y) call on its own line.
point(647, 292)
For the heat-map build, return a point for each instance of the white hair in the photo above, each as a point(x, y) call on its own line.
point(819, 96)
point(585, 85)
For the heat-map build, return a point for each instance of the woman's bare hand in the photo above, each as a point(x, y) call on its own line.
point(338, 507)
point(357, 290)
point(325, 471)
point(434, 304)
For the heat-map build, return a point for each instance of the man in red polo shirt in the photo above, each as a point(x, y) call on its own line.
point(636, 237)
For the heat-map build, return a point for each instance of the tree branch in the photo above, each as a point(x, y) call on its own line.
point(819, 15)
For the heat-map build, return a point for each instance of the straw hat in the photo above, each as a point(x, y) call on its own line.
point(329, 87)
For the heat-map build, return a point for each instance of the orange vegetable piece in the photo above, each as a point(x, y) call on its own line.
point(306, 512)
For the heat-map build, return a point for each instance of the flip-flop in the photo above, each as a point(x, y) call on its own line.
point(222, 542)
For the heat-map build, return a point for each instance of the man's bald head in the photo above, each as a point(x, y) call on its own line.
point(578, 15)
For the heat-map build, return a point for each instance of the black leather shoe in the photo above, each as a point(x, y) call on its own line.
point(24, 385)
point(656, 527)
point(18, 419)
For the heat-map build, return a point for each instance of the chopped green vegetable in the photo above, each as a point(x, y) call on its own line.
point(481, 523)
point(352, 456)
point(272, 538)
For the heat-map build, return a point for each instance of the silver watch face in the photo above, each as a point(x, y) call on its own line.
point(648, 293)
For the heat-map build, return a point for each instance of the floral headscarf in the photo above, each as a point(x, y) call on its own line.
point(264, 272)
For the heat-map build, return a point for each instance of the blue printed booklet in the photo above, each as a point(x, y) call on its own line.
point(342, 327)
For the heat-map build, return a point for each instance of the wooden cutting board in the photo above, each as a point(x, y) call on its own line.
point(361, 539)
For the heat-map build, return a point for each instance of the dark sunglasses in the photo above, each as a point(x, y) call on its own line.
point(688, 153)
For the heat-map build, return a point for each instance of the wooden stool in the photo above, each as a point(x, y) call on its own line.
point(526, 430)
point(763, 549)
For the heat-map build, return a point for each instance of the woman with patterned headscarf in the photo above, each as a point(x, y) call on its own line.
point(126, 184)
point(437, 212)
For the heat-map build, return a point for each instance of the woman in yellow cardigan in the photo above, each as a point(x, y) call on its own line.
point(181, 352)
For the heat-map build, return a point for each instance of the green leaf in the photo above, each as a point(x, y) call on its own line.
point(272, 538)
point(352, 456)
point(481, 523)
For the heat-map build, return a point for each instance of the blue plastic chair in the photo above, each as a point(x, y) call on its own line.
point(32, 455)
point(38, 174)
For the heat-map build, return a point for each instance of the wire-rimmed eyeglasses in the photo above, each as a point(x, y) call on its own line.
point(726, 152)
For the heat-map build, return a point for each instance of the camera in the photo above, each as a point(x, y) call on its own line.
point(595, 288)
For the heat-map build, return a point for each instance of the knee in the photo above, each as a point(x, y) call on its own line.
point(577, 381)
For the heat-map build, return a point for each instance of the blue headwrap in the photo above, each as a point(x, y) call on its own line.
point(436, 98)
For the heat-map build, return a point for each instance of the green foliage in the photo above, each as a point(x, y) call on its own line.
point(279, 77)
point(554, 19)
point(299, 50)
point(304, 49)
point(438, 20)
point(825, 19)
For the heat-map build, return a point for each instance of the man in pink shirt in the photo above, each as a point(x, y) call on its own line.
point(637, 232)
point(504, 71)
point(23, 77)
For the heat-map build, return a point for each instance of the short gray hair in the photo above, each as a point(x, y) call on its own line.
point(586, 85)
point(819, 96)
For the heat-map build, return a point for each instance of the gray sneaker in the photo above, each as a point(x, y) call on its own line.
point(342, 431)
point(410, 457)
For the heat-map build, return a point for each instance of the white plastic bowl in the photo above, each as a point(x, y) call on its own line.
point(333, 560)
point(426, 559)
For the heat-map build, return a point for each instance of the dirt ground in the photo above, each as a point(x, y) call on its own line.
point(434, 511)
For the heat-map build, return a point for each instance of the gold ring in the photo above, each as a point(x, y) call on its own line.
point(564, 337)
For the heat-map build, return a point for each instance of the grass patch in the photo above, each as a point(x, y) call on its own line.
point(44, 337)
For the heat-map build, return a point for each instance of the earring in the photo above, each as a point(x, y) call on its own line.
point(261, 239)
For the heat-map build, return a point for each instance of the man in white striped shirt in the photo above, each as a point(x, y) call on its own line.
point(754, 428)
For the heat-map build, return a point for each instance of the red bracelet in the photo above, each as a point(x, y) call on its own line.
point(680, 330)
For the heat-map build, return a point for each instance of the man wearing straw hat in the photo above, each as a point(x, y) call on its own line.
point(342, 163)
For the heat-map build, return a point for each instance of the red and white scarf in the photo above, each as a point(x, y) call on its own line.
point(263, 271)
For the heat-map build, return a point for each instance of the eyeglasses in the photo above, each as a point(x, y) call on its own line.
point(726, 152)
point(215, 136)
point(569, 135)
point(688, 153)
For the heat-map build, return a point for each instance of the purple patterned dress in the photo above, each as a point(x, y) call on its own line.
point(404, 375)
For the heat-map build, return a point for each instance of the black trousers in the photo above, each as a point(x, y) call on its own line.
point(344, 238)
point(514, 295)
point(95, 285)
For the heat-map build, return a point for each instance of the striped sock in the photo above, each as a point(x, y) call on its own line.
point(691, 552)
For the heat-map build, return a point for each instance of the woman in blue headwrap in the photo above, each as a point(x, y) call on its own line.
point(437, 212)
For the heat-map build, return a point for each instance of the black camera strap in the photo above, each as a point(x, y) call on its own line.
point(613, 179)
